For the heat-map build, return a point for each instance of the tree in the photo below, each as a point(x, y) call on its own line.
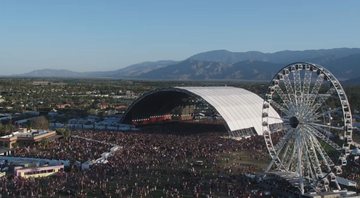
point(44, 143)
point(6, 129)
point(28, 125)
point(65, 132)
point(15, 145)
point(40, 122)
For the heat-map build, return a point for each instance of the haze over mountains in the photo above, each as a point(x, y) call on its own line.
point(226, 65)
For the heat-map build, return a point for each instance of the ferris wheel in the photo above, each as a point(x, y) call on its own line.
point(312, 141)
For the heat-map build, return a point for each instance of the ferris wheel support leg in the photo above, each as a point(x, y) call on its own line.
point(299, 158)
point(337, 185)
point(269, 166)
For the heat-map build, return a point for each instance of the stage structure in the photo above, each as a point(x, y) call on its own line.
point(239, 108)
point(317, 127)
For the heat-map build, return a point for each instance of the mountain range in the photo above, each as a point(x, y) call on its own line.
point(226, 65)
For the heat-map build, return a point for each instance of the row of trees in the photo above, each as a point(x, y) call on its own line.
point(6, 129)
point(40, 122)
point(36, 123)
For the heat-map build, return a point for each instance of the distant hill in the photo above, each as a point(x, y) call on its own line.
point(228, 57)
point(353, 81)
point(286, 56)
point(188, 70)
point(52, 73)
point(343, 68)
point(227, 65)
point(346, 67)
point(140, 68)
point(127, 72)
point(205, 70)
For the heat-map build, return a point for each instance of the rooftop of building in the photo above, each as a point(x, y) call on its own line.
point(27, 133)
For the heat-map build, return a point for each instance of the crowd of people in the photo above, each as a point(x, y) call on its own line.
point(352, 170)
point(148, 164)
point(72, 149)
point(151, 163)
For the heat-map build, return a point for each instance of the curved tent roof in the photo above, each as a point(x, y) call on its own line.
point(240, 108)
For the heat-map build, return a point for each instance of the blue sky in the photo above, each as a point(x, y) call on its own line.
point(89, 35)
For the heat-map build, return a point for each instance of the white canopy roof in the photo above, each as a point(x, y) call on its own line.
point(240, 108)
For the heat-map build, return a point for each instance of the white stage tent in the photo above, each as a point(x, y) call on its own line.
point(240, 108)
